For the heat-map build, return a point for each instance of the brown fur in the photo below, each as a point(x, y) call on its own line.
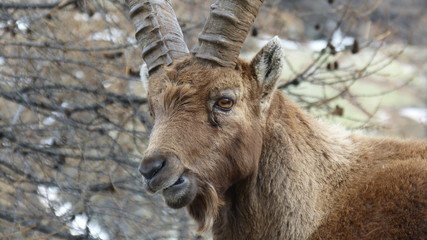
point(388, 202)
point(277, 173)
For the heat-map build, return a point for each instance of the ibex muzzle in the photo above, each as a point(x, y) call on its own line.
point(163, 171)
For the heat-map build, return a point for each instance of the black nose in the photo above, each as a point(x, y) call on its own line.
point(152, 164)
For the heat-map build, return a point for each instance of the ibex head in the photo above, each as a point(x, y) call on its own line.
point(209, 108)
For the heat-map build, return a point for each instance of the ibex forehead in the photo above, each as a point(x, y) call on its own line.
point(199, 74)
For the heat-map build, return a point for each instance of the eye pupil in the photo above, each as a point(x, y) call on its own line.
point(225, 104)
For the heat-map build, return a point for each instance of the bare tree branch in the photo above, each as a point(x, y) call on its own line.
point(59, 4)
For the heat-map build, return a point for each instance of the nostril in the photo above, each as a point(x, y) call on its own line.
point(151, 166)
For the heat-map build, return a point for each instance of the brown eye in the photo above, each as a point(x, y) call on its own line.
point(225, 104)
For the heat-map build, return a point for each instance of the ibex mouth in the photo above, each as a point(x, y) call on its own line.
point(160, 183)
point(178, 182)
point(181, 193)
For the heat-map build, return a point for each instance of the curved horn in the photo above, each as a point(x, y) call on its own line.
point(157, 32)
point(226, 29)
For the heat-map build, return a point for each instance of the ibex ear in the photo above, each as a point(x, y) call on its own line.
point(268, 64)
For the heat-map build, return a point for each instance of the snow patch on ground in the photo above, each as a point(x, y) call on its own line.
point(416, 114)
point(338, 40)
point(49, 121)
point(48, 141)
point(23, 24)
point(50, 199)
point(112, 35)
point(83, 17)
point(79, 74)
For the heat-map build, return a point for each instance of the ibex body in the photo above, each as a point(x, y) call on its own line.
point(249, 163)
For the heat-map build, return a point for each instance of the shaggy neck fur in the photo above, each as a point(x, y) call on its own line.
point(305, 168)
point(291, 176)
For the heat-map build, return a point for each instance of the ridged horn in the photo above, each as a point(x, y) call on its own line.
point(157, 32)
point(226, 29)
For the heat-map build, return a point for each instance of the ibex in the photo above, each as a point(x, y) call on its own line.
point(247, 162)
